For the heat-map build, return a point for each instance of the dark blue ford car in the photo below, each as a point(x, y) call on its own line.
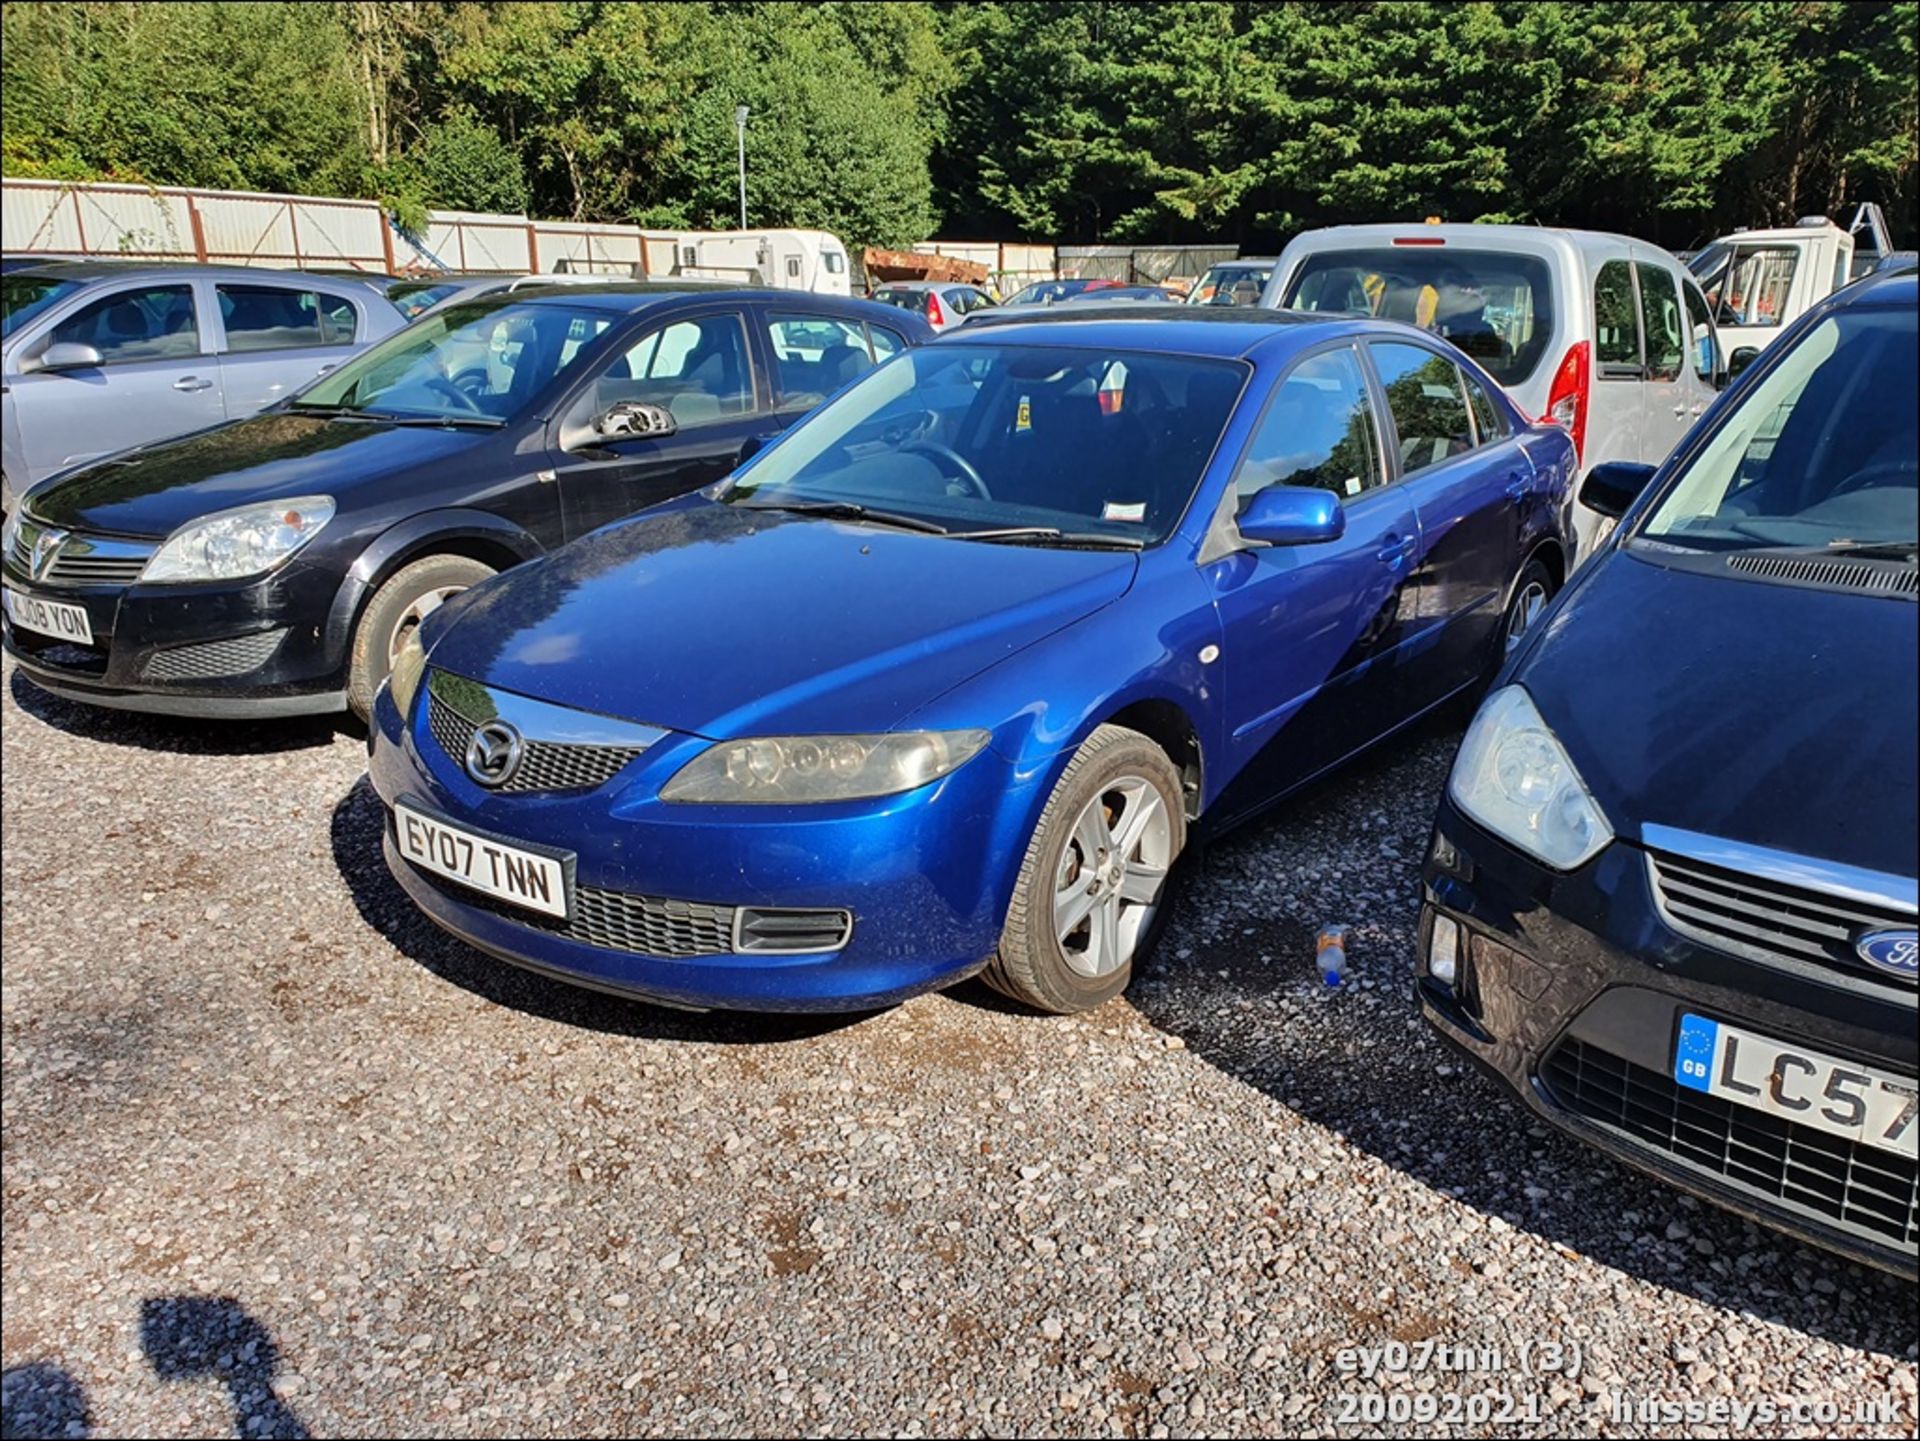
point(1671, 895)
point(943, 679)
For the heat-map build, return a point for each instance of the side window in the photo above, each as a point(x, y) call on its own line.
point(1429, 408)
point(1318, 430)
point(338, 319)
point(885, 342)
point(1616, 329)
point(814, 355)
point(697, 369)
point(1706, 362)
point(1757, 285)
point(1489, 420)
point(273, 317)
point(152, 324)
point(1660, 321)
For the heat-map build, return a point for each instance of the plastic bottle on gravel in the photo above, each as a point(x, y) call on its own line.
point(1330, 953)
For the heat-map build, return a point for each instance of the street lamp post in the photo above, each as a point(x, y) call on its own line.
point(740, 124)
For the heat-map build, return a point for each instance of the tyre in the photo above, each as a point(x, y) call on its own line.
point(404, 599)
point(1530, 596)
point(1093, 889)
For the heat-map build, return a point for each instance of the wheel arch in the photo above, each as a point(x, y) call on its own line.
point(1167, 724)
point(475, 535)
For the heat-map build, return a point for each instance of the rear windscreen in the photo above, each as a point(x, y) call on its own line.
point(905, 299)
point(1496, 307)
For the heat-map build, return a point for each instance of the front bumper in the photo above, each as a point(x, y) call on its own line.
point(1570, 991)
point(242, 649)
point(926, 875)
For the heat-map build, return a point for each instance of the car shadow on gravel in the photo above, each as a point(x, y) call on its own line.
point(359, 821)
point(179, 735)
point(1234, 979)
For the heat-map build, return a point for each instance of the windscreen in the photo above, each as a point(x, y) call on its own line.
point(1101, 444)
point(1824, 451)
point(1494, 306)
point(479, 362)
point(414, 296)
point(24, 296)
point(1232, 285)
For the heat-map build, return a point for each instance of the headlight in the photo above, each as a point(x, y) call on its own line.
point(404, 679)
point(231, 544)
point(782, 770)
point(1515, 779)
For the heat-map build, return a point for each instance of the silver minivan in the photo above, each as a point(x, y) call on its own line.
point(100, 356)
point(1607, 336)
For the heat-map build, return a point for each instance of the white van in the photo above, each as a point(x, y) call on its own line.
point(1760, 281)
point(1609, 337)
point(809, 260)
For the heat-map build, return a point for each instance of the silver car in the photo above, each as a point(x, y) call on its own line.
point(101, 356)
point(942, 304)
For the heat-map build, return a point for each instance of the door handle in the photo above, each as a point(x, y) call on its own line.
point(1681, 409)
point(325, 368)
point(192, 382)
point(1516, 487)
point(1395, 550)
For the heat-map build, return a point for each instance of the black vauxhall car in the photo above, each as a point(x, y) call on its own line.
point(275, 565)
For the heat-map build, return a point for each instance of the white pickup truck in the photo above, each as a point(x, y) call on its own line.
point(1758, 281)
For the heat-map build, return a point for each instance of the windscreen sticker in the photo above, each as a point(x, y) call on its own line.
point(1134, 510)
point(1023, 419)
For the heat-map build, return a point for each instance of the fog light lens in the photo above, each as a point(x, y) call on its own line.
point(1443, 950)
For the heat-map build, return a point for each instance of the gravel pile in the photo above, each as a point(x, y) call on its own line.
point(282, 1159)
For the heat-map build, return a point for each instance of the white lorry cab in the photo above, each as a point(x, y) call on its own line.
point(1604, 335)
point(784, 259)
point(1760, 281)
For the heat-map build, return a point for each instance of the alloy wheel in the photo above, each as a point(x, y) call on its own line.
point(1111, 876)
point(423, 605)
point(1524, 612)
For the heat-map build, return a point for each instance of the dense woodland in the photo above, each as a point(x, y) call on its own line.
point(1059, 122)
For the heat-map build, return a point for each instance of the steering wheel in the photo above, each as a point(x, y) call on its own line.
point(1864, 479)
point(442, 386)
point(939, 452)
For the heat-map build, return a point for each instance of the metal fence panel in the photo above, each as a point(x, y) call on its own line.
point(1153, 264)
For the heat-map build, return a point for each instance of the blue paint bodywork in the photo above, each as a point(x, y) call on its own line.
point(1259, 668)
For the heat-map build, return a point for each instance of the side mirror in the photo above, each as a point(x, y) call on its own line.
point(633, 418)
point(1609, 489)
point(1742, 357)
point(67, 355)
point(1293, 515)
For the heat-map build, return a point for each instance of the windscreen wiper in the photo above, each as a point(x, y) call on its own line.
point(849, 510)
point(467, 422)
point(1052, 535)
point(1890, 549)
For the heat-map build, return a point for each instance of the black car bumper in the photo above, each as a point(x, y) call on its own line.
point(1570, 989)
point(243, 649)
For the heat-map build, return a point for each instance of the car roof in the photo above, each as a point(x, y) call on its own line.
point(83, 270)
point(1522, 238)
point(1170, 327)
point(627, 297)
point(1880, 288)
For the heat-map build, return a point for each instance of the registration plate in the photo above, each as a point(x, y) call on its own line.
point(1797, 1084)
point(522, 877)
point(48, 617)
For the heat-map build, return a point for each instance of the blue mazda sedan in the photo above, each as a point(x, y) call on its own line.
point(943, 679)
point(1671, 897)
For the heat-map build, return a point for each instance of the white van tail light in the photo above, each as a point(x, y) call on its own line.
point(1568, 398)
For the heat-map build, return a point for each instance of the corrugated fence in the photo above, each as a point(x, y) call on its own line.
point(252, 228)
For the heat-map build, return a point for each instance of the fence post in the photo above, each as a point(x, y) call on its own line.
point(386, 234)
point(199, 231)
point(293, 229)
point(533, 249)
point(79, 224)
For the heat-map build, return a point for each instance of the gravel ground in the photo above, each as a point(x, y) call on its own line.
point(283, 1159)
